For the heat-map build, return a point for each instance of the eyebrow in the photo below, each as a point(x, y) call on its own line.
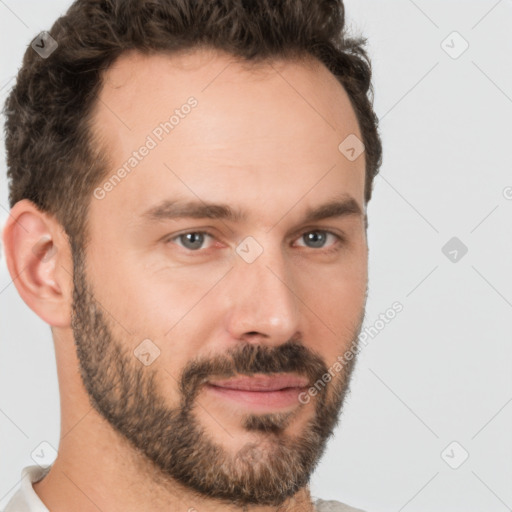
point(343, 206)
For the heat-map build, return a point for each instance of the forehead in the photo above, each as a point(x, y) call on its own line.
point(270, 129)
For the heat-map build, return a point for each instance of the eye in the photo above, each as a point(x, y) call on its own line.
point(192, 240)
point(318, 237)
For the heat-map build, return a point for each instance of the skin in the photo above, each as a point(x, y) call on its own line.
point(263, 139)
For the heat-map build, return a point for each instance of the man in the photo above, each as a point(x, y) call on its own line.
point(188, 190)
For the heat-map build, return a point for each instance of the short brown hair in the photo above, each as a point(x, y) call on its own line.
point(52, 157)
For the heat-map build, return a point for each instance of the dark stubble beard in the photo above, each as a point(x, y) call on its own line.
point(124, 392)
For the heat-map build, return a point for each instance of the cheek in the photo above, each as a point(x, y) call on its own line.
point(336, 304)
point(343, 308)
point(176, 308)
point(149, 295)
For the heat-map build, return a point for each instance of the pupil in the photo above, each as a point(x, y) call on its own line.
point(195, 239)
point(316, 238)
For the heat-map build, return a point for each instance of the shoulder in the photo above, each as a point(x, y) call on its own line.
point(25, 498)
point(333, 506)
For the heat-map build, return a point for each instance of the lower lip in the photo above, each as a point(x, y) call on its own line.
point(262, 399)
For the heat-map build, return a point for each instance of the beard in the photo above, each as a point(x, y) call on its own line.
point(125, 393)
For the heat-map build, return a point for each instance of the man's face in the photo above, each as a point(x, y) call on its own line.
point(172, 313)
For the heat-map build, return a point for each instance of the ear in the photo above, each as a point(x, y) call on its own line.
point(38, 257)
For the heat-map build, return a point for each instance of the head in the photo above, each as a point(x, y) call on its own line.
point(188, 197)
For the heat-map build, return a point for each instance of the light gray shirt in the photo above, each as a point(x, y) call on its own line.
point(25, 498)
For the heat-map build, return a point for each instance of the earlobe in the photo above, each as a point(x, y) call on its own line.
point(38, 258)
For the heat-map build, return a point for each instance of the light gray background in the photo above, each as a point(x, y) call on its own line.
point(441, 370)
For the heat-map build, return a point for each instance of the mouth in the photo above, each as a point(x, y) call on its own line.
point(262, 392)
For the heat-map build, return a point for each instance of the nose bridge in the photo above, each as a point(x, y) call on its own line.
point(263, 300)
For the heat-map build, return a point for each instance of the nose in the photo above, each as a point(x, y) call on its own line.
point(264, 307)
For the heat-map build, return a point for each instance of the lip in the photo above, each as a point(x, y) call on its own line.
point(262, 382)
point(263, 393)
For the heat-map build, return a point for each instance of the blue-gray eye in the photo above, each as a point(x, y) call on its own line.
point(317, 238)
point(192, 240)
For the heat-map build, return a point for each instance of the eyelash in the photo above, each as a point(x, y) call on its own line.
point(340, 240)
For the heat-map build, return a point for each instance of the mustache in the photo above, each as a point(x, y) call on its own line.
point(249, 359)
